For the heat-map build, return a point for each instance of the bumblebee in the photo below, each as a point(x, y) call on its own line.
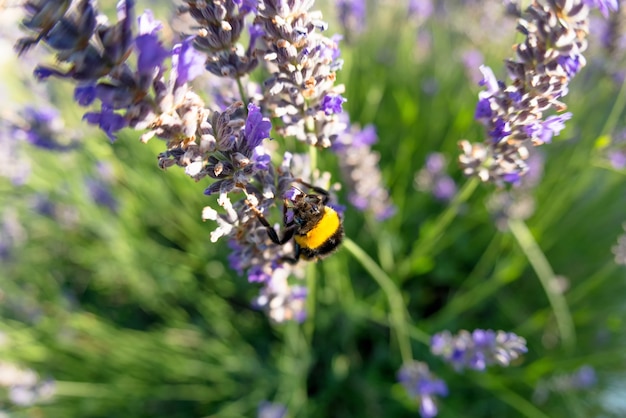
point(316, 228)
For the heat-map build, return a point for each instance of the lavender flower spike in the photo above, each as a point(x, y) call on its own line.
point(478, 349)
point(220, 26)
point(271, 410)
point(515, 115)
point(420, 383)
point(301, 90)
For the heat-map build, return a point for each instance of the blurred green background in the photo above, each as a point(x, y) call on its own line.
point(119, 298)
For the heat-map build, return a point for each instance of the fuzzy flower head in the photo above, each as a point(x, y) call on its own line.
point(478, 349)
point(517, 115)
point(151, 52)
point(43, 128)
point(360, 171)
point(603, 5)
point(220, 27)
point(301, 90)
point(352, 16)
point(582, 379)
point(434, 179)
point(422, 385)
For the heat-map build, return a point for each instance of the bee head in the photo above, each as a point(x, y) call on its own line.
point(308, 209)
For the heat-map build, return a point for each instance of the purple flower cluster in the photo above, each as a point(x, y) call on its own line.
point(301, 90)
point(434, 179)
point(139, 83)
point(422, 385)
point(43, 128)
point(220, 27)
point(271, 410)
point(25, 388)
point(584, 378)
point(516, 115)
point(359, 169)
point(478, 349)
point(95, 54)
point(352, 15)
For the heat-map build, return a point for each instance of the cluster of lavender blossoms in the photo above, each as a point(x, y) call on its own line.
point(516, 116)
point(478, 349)
point(434, 179)
point(129, 79)
point(422, 385)
point(583, 378)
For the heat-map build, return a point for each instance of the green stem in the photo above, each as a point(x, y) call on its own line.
point(508, 396)
point(378, 317)
point(312, 158)
point(242, 92)
point(475, 289)
point(311, 285)
point(394, 297)
point(616, 110)
point(540, 264)
point(113, 391)
point(431, 236)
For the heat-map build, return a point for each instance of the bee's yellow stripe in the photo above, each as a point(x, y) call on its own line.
point(324, 229)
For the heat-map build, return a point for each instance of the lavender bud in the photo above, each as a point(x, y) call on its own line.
point(422, 385)
point(478, 349)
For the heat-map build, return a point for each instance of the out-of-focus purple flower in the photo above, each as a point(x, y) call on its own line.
point(25, 387)
point(151, 50)
point(43, 128)
point(501, 129)
point(100, 193)
point(584, 378)
point(352, 15)
point(472, 61)
point(332, 104)
point(436, 163)
point(261, 158)
point(247, 6)
point(365, 137)
point(434, 179)
point(188, 61)
point(581, 379)
point(271, 410)
point(478, 349)
point(444, 189)
point(543, 131)
point(492, 86)
point(257, 127)
point(603, 5)
point(572, 64)
point(85, 94)
point(617, 158)
point(422, 385)
point(282, 301)
point(359, 168)
point(109, 121)
point(420, 9)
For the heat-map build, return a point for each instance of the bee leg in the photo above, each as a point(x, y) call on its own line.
point(292, 260)
point(271, 232)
